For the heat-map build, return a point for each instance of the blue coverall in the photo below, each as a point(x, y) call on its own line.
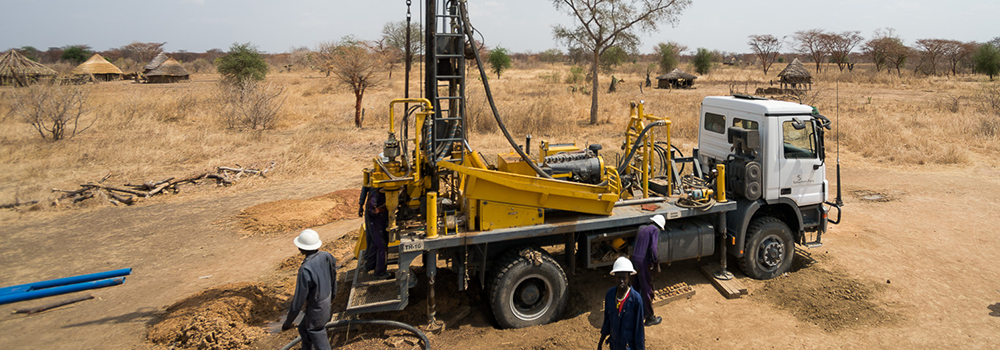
point(624, 328)
point(376, 222)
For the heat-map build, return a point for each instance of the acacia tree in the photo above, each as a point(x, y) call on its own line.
point(957, 52)
point(394, 38)
point(930, 51)
point(606, 23)
point(877, 49)
point(840, 46)
point(142, 52)
point(355, 65)
point(765, 47)
point(499, 59)
point(702, 61)
point(810, 42)
point(669, 55)
point(986, 59)
point(243, 62)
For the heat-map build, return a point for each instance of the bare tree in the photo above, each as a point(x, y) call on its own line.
point(840, 45)
point(394, 36)
point(930, 51)
point(765, 47)
point(55, 112)
point(142, 52)
point(877, 49)
point(810, 42)
point(607, 23)
point(356, 65)
point(957, 52)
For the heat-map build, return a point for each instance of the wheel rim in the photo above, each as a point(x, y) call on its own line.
point(771, 252)
point(531, 298)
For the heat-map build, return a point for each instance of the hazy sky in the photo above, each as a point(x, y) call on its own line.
point(519, 25)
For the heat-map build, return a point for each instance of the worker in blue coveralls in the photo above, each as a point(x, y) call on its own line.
point(644, 258)
point(623, 327)
point(372, 206)
point(315, 288)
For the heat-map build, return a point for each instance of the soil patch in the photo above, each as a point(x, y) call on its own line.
point(225, 317)
point(874, 196)
point(826, 298)
point(341, 248)
point(296, 214)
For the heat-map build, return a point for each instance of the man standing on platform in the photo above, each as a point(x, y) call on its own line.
point(372, 206)
point(644, 257)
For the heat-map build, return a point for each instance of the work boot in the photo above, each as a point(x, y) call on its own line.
point(652, 321)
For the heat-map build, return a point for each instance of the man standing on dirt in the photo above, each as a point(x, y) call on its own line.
point(643, 257)
point(372, 206)
point(315, 288)
point(622, 312)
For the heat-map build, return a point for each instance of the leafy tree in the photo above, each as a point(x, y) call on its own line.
point(30, 52)
point(839, 46)
point(987, 60)
point(612, 57)
point(243, 62)
point(702, 61)
point(765, 47)
point(669, 55)
point(76, 53)
point(551, 56)
point(810, 42)
point(394, 38)
point(877, 49)
point(499, 59)
point(601, 24)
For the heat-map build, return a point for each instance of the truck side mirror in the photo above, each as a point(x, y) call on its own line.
point(798, 124)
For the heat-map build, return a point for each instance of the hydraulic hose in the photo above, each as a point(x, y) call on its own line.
point(638, 142)
point(489, 96)
point(348, 323)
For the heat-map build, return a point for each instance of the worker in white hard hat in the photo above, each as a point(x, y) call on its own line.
point(645, 258)
point(315, 288)
point(623, 310)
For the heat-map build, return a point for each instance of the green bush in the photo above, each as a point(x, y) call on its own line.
point(243, 62)
point(702, 61)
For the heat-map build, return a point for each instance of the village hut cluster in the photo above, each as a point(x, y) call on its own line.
point(17, 70)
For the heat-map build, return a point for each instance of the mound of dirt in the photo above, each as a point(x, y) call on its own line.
point(296, 214)
point(225, 317)
point(874, 196)
point(828, 299)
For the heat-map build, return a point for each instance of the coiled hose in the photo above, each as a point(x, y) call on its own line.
point(348, 323)
point(638, 142)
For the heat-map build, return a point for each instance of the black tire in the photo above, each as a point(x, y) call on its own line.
point(769, 249)
point(523, 294)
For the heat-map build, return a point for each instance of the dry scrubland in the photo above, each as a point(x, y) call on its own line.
point(150, 131)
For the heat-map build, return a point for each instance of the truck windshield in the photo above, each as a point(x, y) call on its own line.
point(798, 144)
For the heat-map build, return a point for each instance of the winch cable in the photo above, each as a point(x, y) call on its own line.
point(348, 323)
point(489, 95)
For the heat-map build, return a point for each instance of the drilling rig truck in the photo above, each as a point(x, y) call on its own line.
point(753, 188)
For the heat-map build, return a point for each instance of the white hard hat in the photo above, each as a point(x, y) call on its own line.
point(623, 264)
point(308, 240)
point(659, 220)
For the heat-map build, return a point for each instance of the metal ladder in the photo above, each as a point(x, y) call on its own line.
point(448, 130)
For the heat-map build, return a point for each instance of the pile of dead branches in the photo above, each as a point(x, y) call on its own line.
point(129, 194)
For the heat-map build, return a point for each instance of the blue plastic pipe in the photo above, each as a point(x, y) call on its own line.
point(64, 281)
point(70, 288)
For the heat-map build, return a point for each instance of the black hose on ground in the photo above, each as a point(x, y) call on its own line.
point(348, 323)
point(489, 96)
point(638, 142)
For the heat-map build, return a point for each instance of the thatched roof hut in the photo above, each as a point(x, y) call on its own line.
point(18, 70)
point(168, 72)
point(676, 79)
point(100, 68)
point(156, 62)
point(795, 75)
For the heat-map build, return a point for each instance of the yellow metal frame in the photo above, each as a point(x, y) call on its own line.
point(638, 120)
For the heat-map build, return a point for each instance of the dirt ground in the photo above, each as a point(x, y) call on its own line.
point(912, 266)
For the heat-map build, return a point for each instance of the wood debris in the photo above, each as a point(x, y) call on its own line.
point(129, 194)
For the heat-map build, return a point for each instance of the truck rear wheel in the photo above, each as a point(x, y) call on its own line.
point(528, 290)
point(769, 250)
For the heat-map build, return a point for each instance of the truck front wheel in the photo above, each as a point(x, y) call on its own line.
point(769, 250)
point(528, 290)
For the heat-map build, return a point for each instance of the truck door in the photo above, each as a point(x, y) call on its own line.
point(802, 172)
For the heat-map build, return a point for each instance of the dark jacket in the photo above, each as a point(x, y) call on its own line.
point(625, 329)
point(315, 287)
point(646, 242)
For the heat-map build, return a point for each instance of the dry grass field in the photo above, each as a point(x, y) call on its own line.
point(925, 144)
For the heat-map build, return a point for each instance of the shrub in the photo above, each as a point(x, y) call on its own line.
point(499, 59)
point(575, 75)
point(702, 61)
point(249, 105)
point(55, 112)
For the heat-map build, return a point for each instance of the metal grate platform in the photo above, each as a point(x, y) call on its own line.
point(373, 293)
